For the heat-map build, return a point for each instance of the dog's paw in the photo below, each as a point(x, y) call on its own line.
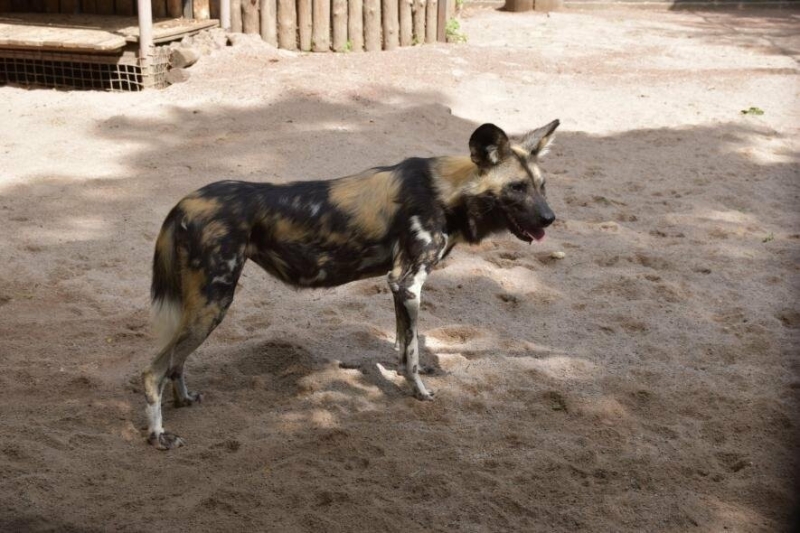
point(191, 399)
point(165, 441)
point(424, 395)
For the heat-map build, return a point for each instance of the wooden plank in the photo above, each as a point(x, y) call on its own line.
point(419, 21)
point(269, 21)
point(441, 21)
point(355, 25)
point(339, 16)
point(236, 16)
point(372, 25)
point(5, 6)
point(174, 8)
point(405, 22)
point(166, 29)
point(50, 6)
point(16, 34)
point(304, 18)
point(214, 10)
point(287, 24)
point(321, 26)
point(389, 12)
point(121, 7)
point(431, 13)
point(250, 18)
point(202, 11)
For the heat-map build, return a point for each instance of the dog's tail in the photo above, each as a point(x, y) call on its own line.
point(165, 292)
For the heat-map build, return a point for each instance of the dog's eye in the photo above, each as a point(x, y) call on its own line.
point(519, 186)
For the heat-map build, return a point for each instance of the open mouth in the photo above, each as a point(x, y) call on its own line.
point(536, 234)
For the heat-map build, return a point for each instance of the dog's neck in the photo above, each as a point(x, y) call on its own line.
point(452, 176)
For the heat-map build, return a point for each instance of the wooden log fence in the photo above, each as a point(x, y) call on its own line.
point(307, 25)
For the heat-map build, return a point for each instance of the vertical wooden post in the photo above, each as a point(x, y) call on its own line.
point(145, 35)
point(225, 14)
point(372, 25)
point(121, 7)
point(390, 36)
point(287, 24)
point(104, 7)
point(321, 26)
point(159, 9)
point(236, 16)
point(304, 23)
point(269, 21)
point(250, 17)
point(174, 8)
point(201, 10)
point(188, 9)
point(355, 24)
point(339, 15)
point(405, 22)
point(419, 21)
point(431, 14)
point(441, 21)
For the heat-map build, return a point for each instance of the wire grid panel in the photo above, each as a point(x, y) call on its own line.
point(81, 71)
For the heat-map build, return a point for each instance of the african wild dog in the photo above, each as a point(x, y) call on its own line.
point(402, 219)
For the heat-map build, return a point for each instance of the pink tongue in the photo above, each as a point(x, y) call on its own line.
point(537, 234)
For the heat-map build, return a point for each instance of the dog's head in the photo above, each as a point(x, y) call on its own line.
point(510, 182)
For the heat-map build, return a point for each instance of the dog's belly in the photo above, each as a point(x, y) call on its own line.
point(307, 265)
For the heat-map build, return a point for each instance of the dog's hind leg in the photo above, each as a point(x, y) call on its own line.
point(181, 397)
point(204, 305)
point(196, 325)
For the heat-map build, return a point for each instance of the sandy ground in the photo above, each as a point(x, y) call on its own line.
point(648, 381)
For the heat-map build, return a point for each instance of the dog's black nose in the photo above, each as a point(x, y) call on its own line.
point(548, 218)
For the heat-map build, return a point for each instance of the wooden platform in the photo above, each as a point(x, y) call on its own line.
point(86, 33)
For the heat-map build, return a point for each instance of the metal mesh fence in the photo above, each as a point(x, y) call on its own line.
point(83, 71)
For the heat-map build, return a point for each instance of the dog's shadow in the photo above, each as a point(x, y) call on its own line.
point(287, 366)
point(378, 372)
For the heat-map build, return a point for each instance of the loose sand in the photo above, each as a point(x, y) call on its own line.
point(647, 381)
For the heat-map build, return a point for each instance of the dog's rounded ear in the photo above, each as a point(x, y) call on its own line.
point(537, 142)
point(488, 146)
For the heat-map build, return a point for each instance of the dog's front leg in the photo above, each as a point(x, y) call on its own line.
point(407, 292)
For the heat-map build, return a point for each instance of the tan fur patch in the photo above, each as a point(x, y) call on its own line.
point(213, 231)
point(456, 176)
point(288, 231)
point(164, 245)
point(370, 199)
point(453, 175)
point(520, 151)
point(202, 208)
point(193, 282)
point(278, 263)
point(336, 238)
